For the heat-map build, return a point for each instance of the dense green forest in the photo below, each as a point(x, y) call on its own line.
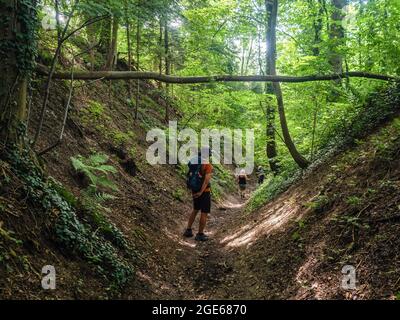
point(82, 83)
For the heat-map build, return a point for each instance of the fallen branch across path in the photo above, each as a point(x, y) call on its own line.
point(127, 75)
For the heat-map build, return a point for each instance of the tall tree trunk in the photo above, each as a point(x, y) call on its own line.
point(137, 66)
point(129, 45)
point(271, 147)
point(317, 16)
point(297, 157)
point(167, 64)
point(91, 34)
point(336, 36)
point(112, 51)
point(17, 18)
point(58, 26)
point(359, 36)
point(249, 55)
point(160, 46)
point(105, 38)
point(160, 51)
point(242, 56)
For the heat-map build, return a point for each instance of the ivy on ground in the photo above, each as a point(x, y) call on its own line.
point(75, 236)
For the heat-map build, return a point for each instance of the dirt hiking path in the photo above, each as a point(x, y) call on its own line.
point(209, 266)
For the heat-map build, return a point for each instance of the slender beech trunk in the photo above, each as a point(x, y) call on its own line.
point(242, 56)
point(160, 51)
point(336, 36)
point(137, 66)
point(167, 65)
point(112, 50)
point(105, 39)
point(260, 60)
point(249, 55)
point(359, 37)
point(271, 147)
point(317, 16)
point(129, 45)
point(58, 26)
point(91, 33)
point(297, 157)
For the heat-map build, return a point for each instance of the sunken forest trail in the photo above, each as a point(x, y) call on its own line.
point(341, 211)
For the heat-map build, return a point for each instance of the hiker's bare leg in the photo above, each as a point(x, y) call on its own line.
point(203, 221)
point(192, 217)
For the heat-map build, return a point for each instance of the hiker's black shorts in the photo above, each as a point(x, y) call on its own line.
point(203, 203)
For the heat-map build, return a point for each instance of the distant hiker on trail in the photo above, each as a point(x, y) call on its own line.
point(260, 174)
point(198, 181)
point(242, 180)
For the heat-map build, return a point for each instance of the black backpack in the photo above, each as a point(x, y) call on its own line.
point(194, 180)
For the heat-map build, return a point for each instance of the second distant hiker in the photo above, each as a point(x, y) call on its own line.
point(242, 180)
point(198, 181)
point(260, 174)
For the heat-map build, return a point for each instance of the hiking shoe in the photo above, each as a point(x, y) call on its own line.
point(201, 237)
point(188, 233)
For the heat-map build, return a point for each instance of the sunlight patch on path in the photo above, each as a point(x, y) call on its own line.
point(270, 219)
point(179, 239)
point(231, 205)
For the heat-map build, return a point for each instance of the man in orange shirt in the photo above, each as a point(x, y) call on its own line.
point(201, 199)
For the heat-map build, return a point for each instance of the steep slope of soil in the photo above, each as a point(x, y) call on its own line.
point(101, 121)
point(344, 213)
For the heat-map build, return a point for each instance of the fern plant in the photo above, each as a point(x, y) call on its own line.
point(96, 169)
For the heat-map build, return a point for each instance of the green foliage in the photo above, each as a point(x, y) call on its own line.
point(387, 142)
point(296, 236)
point(178, 194)
point(8, 235)
point(72, 234)
point(63, 192)
point(93, 207)
point(132, 152)
point(223, 182)
point(120, 138)
point(95, 168)
point(354, 201)
point(320, 203)
point(94, 111)
point(24, 48)
point(352, 221)
point(94, 116)
point(182, 170)
point(364, 116)
point(271, 188)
